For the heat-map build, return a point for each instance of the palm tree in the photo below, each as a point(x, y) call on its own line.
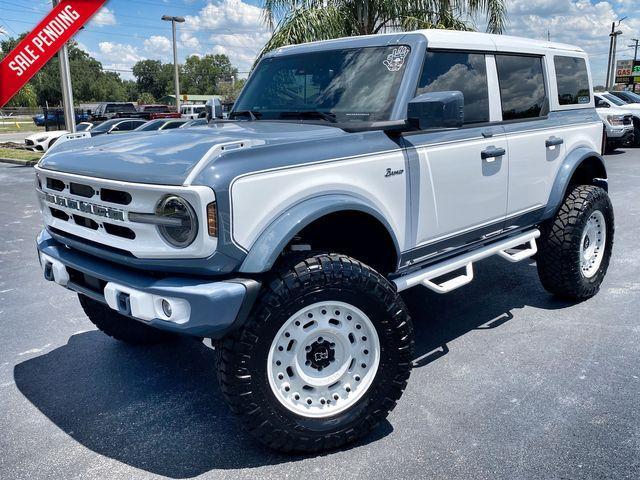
point(310, 20)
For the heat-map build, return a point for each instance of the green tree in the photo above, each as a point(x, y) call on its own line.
point(26, 97)
point(201, 75)
point(145, 98)
point(312, 20)
point(154, 77)
point(229, 91)
point(89, 81)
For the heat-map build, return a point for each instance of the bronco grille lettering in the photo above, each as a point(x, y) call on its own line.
point(84, 207)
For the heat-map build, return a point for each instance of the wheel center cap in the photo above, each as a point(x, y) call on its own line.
point(321, 354)
point(587, 242)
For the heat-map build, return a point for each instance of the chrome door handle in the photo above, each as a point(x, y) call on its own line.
point(553, 141)
point(492, 152)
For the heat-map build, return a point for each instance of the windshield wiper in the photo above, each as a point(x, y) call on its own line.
point(328, 116)
point(253, 115)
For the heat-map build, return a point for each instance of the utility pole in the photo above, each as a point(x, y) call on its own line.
point(65, 86)
point(635, 58)
point(176, 78)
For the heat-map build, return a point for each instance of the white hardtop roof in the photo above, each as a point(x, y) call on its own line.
point(445, 39)
point(487, 41)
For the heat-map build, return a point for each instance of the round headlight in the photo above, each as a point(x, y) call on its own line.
point(182, 226)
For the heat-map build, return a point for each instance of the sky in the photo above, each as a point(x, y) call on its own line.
point(126, 31)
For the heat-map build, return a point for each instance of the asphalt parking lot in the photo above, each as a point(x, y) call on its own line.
point(509, 383)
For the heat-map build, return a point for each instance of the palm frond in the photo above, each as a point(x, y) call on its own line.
point(308, 24)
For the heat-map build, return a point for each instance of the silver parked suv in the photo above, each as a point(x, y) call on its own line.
point(349, 171)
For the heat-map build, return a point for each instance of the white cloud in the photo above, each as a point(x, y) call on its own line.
point(230, 27)
point(577, 22)
point(158, 46)
point(103, 17)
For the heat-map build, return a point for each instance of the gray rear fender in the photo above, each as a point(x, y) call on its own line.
point(328, 213)
point(582, 166)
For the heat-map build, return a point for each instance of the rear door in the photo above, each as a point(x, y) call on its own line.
point(461, 174)
point(535, 148)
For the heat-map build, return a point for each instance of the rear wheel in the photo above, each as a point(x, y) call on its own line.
point(575, 246)
point(120, 327)
point(323, 358)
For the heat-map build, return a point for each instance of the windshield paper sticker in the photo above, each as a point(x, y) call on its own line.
point(395, 60)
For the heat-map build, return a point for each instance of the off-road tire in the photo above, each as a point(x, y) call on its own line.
point(122, 328)
point(242, 369)
point(558, 257)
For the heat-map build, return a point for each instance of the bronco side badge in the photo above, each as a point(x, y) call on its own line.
point(391, 173)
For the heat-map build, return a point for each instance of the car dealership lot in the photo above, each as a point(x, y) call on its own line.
point(509, 383)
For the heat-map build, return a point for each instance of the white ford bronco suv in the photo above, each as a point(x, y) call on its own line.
point(348, 171)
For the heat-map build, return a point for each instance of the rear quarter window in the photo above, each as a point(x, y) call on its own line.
point(573, 80)
point(522, 88)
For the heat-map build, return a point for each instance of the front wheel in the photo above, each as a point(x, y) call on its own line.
point(323, 358)
point(575, 246)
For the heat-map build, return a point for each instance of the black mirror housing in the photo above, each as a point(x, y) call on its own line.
point(436, 110)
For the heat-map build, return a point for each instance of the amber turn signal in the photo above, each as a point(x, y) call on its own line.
point(212, 219)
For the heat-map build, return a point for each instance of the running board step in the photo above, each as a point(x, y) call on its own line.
point(504, 248)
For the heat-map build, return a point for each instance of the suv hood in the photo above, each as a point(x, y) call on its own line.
point(167, 157)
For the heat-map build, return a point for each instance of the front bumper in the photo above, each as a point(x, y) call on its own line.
point(622, 133)
point(199, 307)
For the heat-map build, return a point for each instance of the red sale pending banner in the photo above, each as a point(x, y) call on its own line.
point(37, 48)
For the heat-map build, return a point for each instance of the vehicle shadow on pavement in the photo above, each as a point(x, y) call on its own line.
point(499, 288)
point(158, 409)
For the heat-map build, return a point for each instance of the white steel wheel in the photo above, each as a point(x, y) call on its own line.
point(592, 244)
point(323, 359)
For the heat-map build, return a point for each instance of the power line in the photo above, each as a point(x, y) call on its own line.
point(138, 37)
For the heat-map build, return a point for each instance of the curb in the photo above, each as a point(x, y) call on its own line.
point(24, 163)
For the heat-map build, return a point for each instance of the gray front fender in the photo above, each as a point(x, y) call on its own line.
point(266, 249)
point(569, 166)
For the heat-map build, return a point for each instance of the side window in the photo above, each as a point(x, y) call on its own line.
point(601, 103)
point(522, 89)
point(572, 79)
point(465, 72)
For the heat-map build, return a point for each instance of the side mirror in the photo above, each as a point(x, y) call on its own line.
point(436, 110)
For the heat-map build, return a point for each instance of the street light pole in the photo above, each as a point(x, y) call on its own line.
point(176, 78)
point(65, 86)
point(613, 59)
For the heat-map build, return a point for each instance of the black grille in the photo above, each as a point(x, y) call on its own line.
point(59, 214)
point(115, 196)
point(55, 184)
point(85, 222)
point(119, 231)
point(87, 281)
point(81, 190)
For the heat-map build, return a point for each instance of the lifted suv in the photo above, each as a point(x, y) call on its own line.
point(350, 170)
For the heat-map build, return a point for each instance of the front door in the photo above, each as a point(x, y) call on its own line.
point(459, 176)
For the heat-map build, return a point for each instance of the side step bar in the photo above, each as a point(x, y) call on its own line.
point(426, 275)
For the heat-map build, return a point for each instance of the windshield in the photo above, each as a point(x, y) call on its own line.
point(336, 85)
point(81, 127)
point(632, 97)
point(105, 126)
point(152, 125)
point(613, 99)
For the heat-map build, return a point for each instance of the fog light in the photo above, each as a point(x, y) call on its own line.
point(166, 308)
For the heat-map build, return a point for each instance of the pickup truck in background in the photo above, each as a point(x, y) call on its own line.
point(152, 112)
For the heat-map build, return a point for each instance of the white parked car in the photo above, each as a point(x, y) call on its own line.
point(43, 141)
point(608, 100)
point(191, 111)
point(618, 124)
